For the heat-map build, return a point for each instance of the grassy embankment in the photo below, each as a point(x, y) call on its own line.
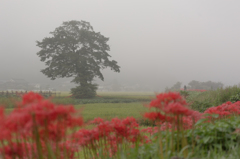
point(122, 104)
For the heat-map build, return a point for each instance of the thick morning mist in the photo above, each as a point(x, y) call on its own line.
point(156, 44)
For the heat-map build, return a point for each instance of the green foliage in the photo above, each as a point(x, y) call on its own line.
point(224, 95)
point(216, 134)
point(76, 50)
point(151, 151)
point(235, 98)
point(201, 106)
point(211, 140)
point(185, 94)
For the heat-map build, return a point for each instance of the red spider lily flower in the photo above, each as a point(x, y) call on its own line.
point(96, 121)
point(31, 97)
point(4, 133)
point(147, 139)
point(148, 130)
point(49, 118)
point(164, 99)
point(113, 133)
point(169, 107)
point(154, 116)
point(225, 109)
point(1, 112)
point(120, 129)
point(75, 122)
point(15, 150)
point(195, 115)
point(53, 132)
point(130, 121)
point(105, 128)
point(45, 114)
point(69, 148)
point(177, 109)
point(86, 137)
point(134, 135)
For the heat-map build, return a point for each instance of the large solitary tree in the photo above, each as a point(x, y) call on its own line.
point(76, 50)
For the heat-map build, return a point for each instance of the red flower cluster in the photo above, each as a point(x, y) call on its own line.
point(225, 109)
point(36, 121)
point(170, 108)
point(163, 99)
point(109, 135)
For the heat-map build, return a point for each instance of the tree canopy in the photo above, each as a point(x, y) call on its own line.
point(76, 50)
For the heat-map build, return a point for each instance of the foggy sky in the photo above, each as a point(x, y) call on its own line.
point(154, 42)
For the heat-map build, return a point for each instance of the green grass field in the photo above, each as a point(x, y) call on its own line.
point(108, 110)
point(111, 110)
point(120, 110)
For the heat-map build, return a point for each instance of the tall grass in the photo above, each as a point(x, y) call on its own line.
point(202, 101)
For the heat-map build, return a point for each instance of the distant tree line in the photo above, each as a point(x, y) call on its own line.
point(209, 85)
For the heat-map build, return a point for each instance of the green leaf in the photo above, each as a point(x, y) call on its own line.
point(206, 139)
point(200, 121)
point(215, 115)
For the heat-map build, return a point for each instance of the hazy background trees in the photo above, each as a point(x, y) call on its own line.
point(208, 85)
